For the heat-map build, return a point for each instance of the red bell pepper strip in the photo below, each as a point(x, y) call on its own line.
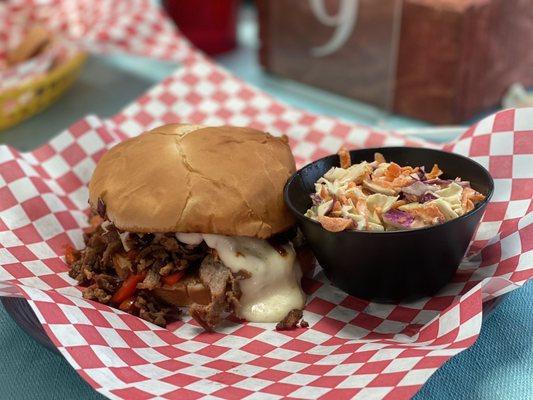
point(128, 288)
point(173, 278)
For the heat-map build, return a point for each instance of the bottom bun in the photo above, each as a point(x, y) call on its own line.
point(185, 292)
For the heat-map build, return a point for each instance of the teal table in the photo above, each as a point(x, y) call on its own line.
point(498, 366)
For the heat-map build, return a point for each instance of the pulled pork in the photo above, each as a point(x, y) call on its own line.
point(224, 289)
point(122, 268)
point(291, 321)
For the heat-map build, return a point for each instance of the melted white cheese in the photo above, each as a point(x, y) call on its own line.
point(274, 286)
point(190, 238)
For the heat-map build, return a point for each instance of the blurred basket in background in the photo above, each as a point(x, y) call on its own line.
point(33, 95)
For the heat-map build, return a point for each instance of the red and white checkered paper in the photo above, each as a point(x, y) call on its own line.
point(134, 26)
point(100, 26)
point(352, 349)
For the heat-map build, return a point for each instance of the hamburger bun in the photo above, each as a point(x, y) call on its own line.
point(194, 179)
point(185, 292)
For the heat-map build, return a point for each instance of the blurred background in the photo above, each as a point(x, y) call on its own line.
point(394, 64)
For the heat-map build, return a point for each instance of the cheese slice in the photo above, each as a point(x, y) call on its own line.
point(274, 286)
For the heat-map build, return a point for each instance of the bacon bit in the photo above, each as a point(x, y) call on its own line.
point(335, 224)
point(398, 203)
point(344, 157)
point(71, 255)
point(378, 157)
point(324, 194)
point(435, 172)
point(393, 171)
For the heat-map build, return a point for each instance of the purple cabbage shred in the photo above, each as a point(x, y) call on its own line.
point(398, 218)
point(316, 199)
point(427, 197)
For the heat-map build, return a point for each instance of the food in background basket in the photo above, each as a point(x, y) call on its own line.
point(38, 54)
point(187, 215)
point(384, 196)
point(36, 41)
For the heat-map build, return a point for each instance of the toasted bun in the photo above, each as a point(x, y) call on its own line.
point(189, 178)
point(187, 291)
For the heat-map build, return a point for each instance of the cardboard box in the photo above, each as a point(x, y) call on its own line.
point(443, 61)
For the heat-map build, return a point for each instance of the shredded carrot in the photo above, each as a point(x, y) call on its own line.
point(435, 172)
point(344, 157)
point(393, 171)
point(335, 224)
point(324, 194)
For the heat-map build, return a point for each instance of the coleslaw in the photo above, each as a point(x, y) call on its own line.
point(384, 196)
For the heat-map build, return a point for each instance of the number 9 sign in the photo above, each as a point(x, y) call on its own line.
point(344, 23)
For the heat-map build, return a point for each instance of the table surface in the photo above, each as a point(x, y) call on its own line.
point(498, 366)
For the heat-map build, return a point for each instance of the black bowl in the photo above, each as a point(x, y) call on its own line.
point(391, 266)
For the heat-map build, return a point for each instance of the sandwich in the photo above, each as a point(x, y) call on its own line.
point(193, 216)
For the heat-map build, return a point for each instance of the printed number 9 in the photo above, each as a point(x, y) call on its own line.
point(344, 21)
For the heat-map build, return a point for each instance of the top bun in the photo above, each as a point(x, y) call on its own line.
point(191, 178)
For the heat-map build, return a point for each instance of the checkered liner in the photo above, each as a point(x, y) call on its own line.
point(100, 26)
point(353, 348)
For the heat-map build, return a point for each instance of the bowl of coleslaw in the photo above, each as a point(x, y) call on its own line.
point(389, 224)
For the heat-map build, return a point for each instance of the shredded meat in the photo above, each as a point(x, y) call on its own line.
point(105, 264)
point(151, 281)
point(102, 289)
point(169, 243)
point(152, 310)
point(290, 321)
point(110, 250)
point(224, 289)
